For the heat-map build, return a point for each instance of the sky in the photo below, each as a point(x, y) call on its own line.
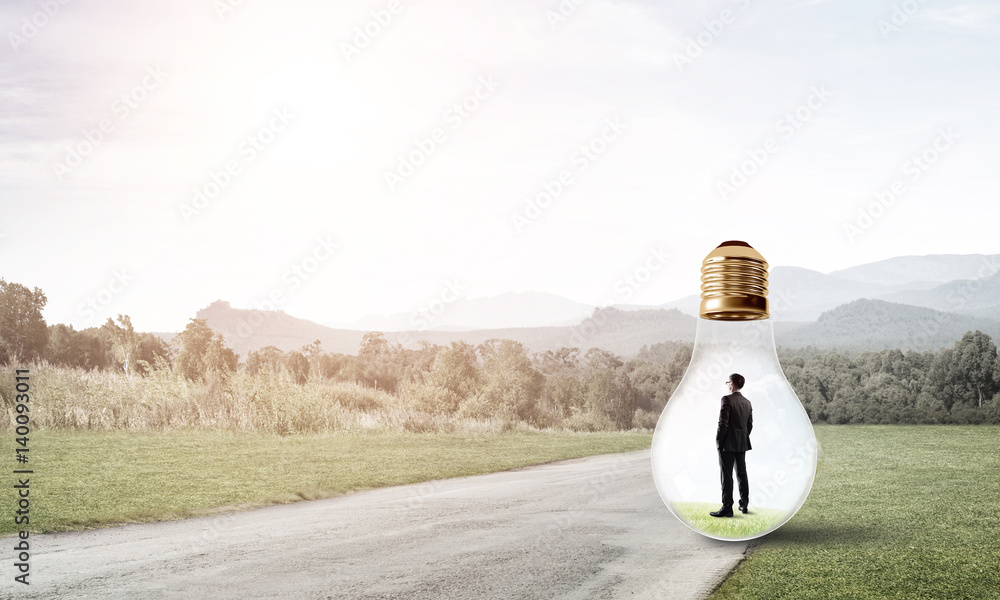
point(334, 160)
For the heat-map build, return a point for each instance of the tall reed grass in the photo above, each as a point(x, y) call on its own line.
point(74, 399)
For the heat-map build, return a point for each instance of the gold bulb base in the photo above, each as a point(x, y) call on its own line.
point(734, 283)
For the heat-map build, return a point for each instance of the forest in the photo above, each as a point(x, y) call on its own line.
point(112, 377)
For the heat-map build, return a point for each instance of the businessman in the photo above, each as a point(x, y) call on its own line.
point(733, 440)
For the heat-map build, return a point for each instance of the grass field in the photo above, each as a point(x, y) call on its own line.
point(739, 526)
point(896, 512)
point(89, 479)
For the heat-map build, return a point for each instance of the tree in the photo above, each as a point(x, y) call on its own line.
point(268, 357)
point(298, 366)
point(564, 361)
point(610, 392)
point(420, 360)
point(976, 367)
point(652, 383)
point(202, 351)
point(221, 359)
point(124, 342)
point(373, 345)
point(454, 377)
point(565, 394)
point(966, 375)
point(95, 351)
point(85, 349)
point(23, 333)
point(314, 353)
point(379, 362)
point(679, 362)
point(61, 348)
point(511, 386)
point(151, 349)
point(331, 364)
point(598, 359)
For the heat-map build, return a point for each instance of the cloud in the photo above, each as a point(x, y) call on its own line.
point(969, 17)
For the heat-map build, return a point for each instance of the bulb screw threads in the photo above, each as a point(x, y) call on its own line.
point(734, 283)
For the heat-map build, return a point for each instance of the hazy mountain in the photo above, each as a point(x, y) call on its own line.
point(688, 305)
point(908, 302)
point(859, 325)
point(877, 325)
point(933, 268)
point(511, 309)
point(621, 332)
point(608, 328)
point(975, 297)
point(798, 294)
point(245, 330)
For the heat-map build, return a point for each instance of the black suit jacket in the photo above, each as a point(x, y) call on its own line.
point(735, 423)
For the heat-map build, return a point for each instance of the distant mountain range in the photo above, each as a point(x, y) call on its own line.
point(859, 325)
point(909, 302)
point(609, 328)
point(798, 294)
point(877, 325)
point(976, 297)
point(932, 268)
point(245, 330)
point(943, 282)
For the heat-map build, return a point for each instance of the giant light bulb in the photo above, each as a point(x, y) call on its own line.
point(734, 336)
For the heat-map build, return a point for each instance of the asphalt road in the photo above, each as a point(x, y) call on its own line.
point(583, 528)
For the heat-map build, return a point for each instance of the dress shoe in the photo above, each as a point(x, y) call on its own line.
point(722, 512)
point(743, 509)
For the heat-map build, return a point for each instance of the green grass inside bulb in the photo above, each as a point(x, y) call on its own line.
point(739, 526)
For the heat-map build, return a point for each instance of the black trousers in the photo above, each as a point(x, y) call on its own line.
point(727, 459)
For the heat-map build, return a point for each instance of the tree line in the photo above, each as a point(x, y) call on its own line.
point(960, 384)
point(500, 379)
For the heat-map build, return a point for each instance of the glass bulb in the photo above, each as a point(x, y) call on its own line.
point(734, 335)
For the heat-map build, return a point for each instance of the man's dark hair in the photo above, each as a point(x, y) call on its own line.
point(737, 380)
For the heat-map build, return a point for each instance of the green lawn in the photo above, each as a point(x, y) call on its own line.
point(896, 512)
point(739, 526)
point(89, 479)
